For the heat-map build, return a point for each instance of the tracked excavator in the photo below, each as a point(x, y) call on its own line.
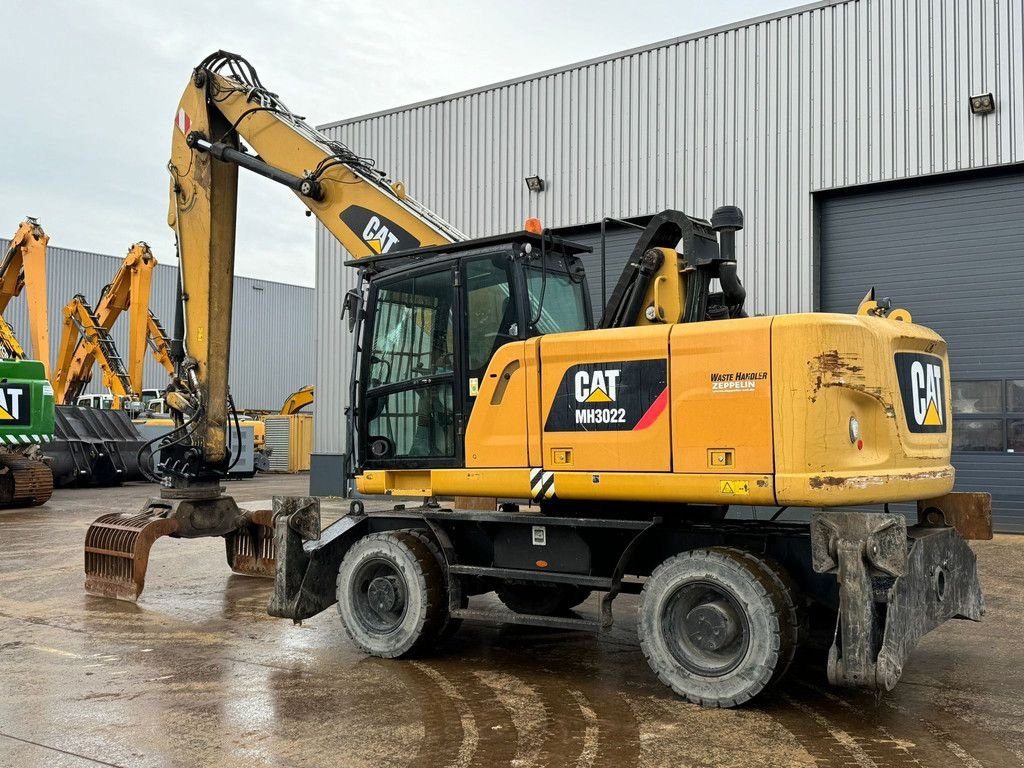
point(26, 397)
point(633, 444)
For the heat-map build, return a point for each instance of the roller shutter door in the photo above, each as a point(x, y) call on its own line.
point(951, 252)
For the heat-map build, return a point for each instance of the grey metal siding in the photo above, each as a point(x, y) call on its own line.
point(272, 343)
point(334, 352)
point(618, 245)
point(759, 115)
point(951, 252)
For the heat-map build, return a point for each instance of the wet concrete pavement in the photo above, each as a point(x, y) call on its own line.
point(198, 674)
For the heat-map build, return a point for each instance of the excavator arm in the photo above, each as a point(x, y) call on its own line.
point(156, 337)
point(297, 400)
point(128, 291)
point(224, 105)
point(227, 119)
point(24, 265)
point(84, 337)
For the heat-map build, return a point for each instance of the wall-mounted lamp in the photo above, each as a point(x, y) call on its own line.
point(535, 183)
point(983, 104)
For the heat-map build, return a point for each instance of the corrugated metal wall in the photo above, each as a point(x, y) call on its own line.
point(272, 340)
point(761, 116)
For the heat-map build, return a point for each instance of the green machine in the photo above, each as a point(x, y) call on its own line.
point(26, 424)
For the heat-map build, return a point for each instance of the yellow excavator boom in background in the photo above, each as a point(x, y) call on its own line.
point(297, 400)
point(24, 266)
point(86, 338)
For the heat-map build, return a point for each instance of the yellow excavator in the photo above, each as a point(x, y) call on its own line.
point(86, 339)
point(297, 400)
point(641, 447)
point(26, 397)
point(23, 268)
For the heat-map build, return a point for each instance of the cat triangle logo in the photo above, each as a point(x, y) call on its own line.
point(5, 416)
point(931, 417)
point(598, 396)
point(375, 245)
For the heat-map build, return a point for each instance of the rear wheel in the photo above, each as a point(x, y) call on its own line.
point(391, 594)
point(718, 626)
point(542, 599)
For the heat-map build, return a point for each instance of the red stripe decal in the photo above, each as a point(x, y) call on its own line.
point(654, 411)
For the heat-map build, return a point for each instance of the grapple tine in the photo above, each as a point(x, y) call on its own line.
point(250, 549)
point(117, 549)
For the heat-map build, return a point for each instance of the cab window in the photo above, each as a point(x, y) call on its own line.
point(491, 318)
point(560, 302)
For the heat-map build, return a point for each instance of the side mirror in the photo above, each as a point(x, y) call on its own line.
point(351, 306)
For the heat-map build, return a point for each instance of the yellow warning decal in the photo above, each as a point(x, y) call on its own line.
point(598, 396)
point(734, 487)
point(931, 417)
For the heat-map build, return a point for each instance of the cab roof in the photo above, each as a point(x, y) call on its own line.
point(552, 242)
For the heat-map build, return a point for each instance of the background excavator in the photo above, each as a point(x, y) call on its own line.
point(86, 339)
point(297, 400)
point(478, 370)
point(26, 397)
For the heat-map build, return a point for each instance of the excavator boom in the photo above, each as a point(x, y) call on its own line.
point(84, 335)
point(224, 105)
point(227, 119)
point(297, 400)
point(128, 291)
point(24, 264)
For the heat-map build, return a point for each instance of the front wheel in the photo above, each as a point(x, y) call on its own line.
point(718, 625)
point(391, 594)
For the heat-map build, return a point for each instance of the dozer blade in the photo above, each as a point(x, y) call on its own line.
point(250, 550)
point(117, 552)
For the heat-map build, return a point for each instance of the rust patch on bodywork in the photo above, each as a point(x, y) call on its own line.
point(835, 369)
point(864, 481)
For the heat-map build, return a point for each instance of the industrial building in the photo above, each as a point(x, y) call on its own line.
point(266, 364)
point(869, 143)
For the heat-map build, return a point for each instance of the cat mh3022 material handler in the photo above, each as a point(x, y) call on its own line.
point(478, 372)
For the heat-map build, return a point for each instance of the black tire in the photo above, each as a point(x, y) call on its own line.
point(718, 626)
point(541, 599)
point(391, 595)
point(450, 626)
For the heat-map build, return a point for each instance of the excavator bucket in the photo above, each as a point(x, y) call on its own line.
point(250, 550)
point(117, 547)
point(117, 552)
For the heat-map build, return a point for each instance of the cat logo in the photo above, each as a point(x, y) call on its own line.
point(922, 388)
point(596, 386)
point(609, 396)
point(926, 379)
point(13, 404)
point(380, 235)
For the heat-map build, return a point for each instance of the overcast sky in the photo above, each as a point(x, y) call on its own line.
point(91, 89)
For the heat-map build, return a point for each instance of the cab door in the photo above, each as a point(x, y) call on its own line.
point(411, 372)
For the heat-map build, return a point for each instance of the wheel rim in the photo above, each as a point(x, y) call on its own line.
point(705, 629)
point(379, 596)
